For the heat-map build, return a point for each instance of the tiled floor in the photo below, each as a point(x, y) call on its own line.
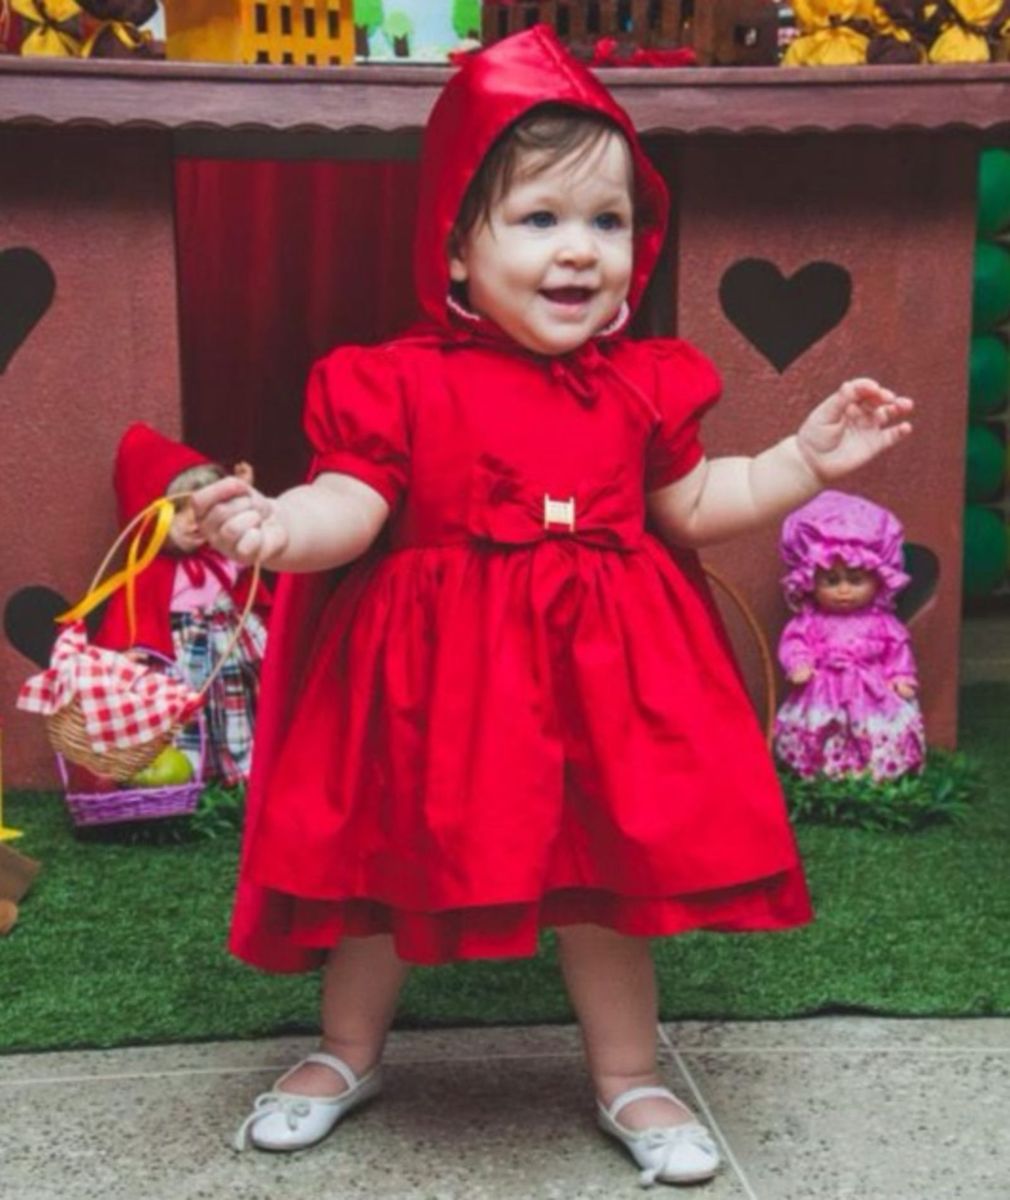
point(826, 1109)
point(836, 1108)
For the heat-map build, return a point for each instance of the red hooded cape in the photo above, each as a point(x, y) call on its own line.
point(490, 91)
point(146, 463)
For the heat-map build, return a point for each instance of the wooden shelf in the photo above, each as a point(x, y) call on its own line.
point(178, 96)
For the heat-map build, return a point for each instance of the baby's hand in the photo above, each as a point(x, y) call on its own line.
point(801, 674)
point(852, 427)
point(904, 688)
point(239, 521)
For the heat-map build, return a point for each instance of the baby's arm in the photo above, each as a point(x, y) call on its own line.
point(899, 661)
point(726, 496)
point(314, 527)
point(796, 653)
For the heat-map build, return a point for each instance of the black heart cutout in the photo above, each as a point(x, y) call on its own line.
point(27, 286)
point(924, 567)
point(782, 318)
point(30, 621)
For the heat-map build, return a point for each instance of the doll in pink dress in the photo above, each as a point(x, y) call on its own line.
point(852, 709)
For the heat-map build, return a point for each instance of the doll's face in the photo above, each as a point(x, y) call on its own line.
point(843, 589)
point(552, 264)
point(184, 534)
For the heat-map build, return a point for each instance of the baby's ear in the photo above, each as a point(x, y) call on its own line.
point(454, 253)
point(245, 472)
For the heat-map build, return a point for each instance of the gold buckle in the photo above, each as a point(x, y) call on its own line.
point(559, 512)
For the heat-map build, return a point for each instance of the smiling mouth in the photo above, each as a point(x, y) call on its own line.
point(572, 296)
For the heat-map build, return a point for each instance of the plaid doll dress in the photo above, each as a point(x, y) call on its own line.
point(200, 637)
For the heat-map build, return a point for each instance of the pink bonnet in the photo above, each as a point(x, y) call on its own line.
point(835, 525)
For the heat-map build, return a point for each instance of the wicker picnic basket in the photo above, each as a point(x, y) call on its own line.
point(105, 806)
point(66, 728)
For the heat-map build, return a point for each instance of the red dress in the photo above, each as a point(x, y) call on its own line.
point(496, 721)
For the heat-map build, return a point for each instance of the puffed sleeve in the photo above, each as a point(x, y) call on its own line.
point(685, 386)
point(796, 645)
point(355, 418)
point(898, 658)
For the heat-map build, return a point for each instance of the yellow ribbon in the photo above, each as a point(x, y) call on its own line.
point(129, 35)
point(159, 515)
point(48, 38)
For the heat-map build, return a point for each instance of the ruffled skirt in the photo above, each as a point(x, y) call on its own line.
point(490, 741)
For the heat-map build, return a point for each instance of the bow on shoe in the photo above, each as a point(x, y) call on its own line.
point(292, 1108)
point(667, 1143)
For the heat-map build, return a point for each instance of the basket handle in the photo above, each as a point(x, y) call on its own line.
point(767, 664)
point(158, 513)
point(254, 584)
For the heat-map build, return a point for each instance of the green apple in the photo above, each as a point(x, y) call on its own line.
point(169, 769)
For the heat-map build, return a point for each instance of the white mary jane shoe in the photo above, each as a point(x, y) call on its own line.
point(671, 1154)
point(289, 1121)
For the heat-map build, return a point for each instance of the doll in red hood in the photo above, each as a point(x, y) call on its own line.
point(189, 599)
point(517, 708)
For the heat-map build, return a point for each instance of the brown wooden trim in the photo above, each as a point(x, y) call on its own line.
point(727, 100)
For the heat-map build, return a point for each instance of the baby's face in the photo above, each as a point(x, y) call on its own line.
point(843, 589)
point(552, 265)
point(184, 534)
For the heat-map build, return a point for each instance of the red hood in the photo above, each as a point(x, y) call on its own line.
point(146, 463)
point(492, 89)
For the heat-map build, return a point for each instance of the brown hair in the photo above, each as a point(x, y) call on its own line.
point(550, 134)
point(195, 477)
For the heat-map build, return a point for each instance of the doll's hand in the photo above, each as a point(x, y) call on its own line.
point(245, 472)
point(904, 688)
point(801, 674)
point(239, 521)
point(852, 427)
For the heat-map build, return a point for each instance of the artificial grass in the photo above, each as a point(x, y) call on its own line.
point(123, 942)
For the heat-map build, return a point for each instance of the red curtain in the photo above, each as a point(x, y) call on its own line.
point(277, 263)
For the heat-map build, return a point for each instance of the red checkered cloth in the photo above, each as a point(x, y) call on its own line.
point(123, 702)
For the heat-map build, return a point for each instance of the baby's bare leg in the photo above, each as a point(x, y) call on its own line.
point(361, 983)
point(612, 986)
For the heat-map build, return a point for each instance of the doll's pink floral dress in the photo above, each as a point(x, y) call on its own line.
point(848, 719)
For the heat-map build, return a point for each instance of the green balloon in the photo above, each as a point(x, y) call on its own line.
point(990, 286)
point(988, 376)
point(984, 465)
point(985, 550)
point(993, 192)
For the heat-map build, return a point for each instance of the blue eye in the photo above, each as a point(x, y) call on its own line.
point(539, 220)
point(609, 221)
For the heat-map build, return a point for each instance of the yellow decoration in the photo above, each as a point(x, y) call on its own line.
point(297, 32)
point(832, 33)
point(6, 833)
point(128, 35)
point(838, 47)
point(967, 32)
point(47, 38)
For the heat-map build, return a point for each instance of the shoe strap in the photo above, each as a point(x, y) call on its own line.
point(326, 1060)
point(335, 1064)
point(639, 1093)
